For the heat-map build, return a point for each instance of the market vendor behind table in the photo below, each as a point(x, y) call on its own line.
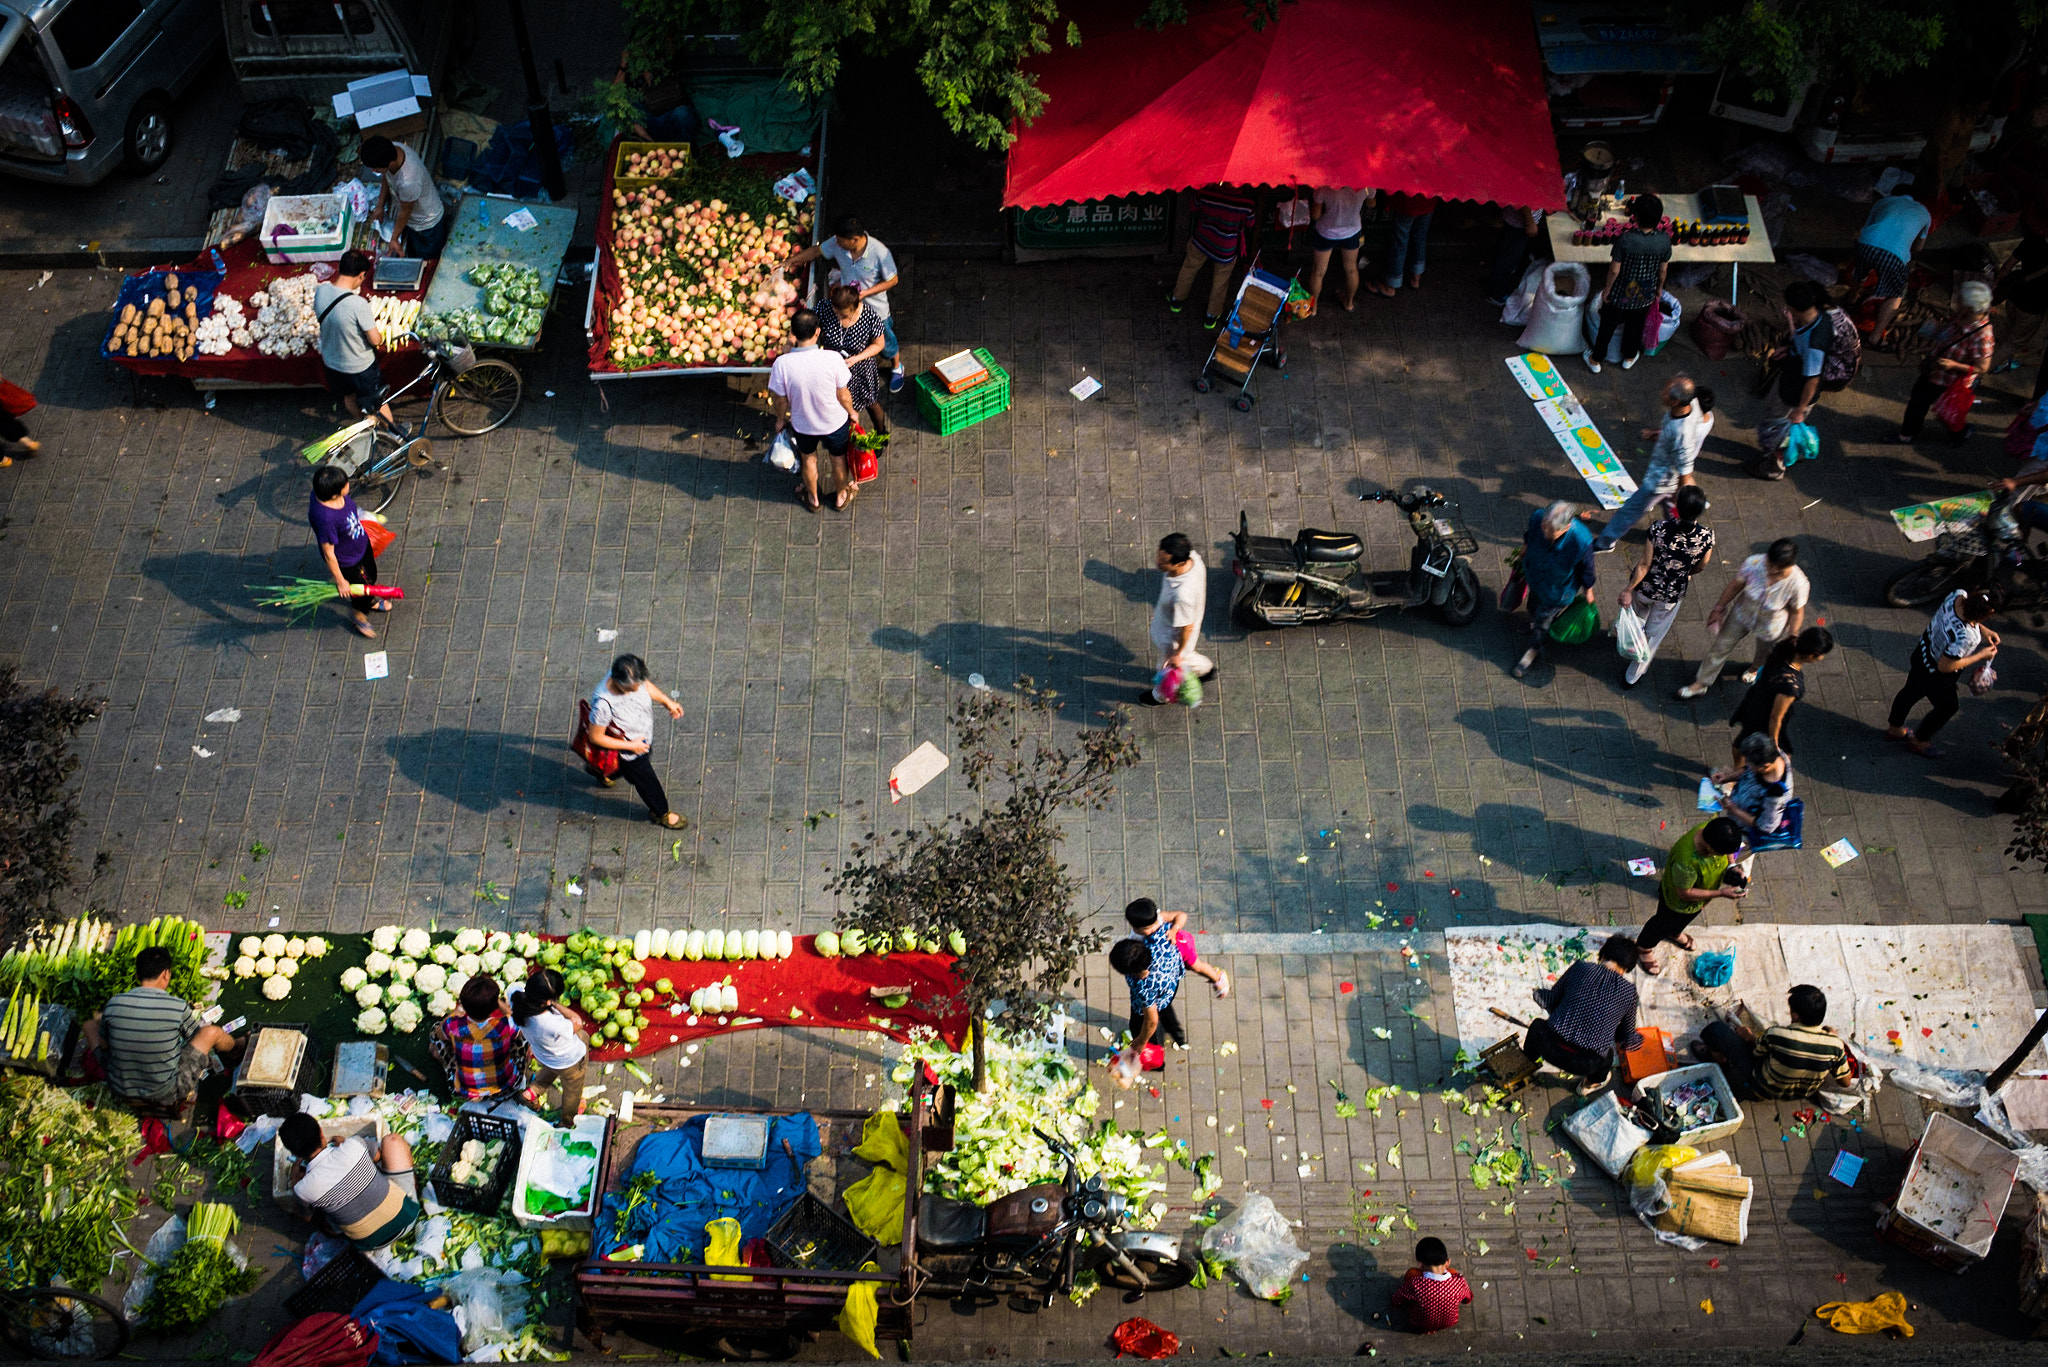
point(420, 222)
point(153, 1045)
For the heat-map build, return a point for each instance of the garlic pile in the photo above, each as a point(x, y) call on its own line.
point(222, 330)
point(285, 323)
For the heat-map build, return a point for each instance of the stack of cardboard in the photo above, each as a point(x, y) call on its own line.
point(1709, 1199)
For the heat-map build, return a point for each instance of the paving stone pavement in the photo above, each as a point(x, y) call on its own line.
point(1389, 770)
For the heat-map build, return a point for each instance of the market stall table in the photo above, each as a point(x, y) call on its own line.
point(1682, 209)
point(482, 234)
point(247, 272)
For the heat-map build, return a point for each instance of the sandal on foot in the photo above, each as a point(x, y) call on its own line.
point(364, 630)
point(675, 821)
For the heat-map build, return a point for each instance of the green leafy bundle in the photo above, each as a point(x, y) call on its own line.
point(64, 1193)
point(200, 1276)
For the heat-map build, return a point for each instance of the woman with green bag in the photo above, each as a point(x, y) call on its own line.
point(1557, 561)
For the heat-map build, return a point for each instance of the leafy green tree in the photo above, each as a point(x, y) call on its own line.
point(38, 812)
point(970, 53)
point(1958, 46)
point(992, 874)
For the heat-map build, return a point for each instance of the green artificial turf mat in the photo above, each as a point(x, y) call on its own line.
point(329, 1014)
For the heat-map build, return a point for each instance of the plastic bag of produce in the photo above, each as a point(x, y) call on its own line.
point(1258, 1244)
point(781, 453)
point(1559, 311)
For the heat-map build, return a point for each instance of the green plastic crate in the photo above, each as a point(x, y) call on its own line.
point(951, 412)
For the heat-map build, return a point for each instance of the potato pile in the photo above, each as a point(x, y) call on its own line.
point(165, 327)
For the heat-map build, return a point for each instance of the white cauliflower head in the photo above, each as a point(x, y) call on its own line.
point(295, 948)
point(276, 987)
point(454, 984)
point(316, 947)
point(468, 965)
point(493, 960)
point(287, 968)
point(415, 943)
point(353, 978)
point(384, 939)
point(265, 966)
point(444, 954)
point(368, 995)
point(501, 940)
point(442, 1004)
point(378, 964)
point(514, 970)
point(405, 1017)
point(397, 991)
point(274, 945)
point(245, 967)
point(430, 978)
point(371, 1022)
point(526, 944)
point(468, 940)
point(251, 947)
point(403, 967)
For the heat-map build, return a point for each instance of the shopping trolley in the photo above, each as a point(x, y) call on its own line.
point(1249, 332)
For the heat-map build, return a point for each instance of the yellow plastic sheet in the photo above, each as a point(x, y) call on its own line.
point(857, 1320)
point(1888, 1311)
point(882, 1143)
point(1655, 1158)
point(876, 1204)
point(723, 1247)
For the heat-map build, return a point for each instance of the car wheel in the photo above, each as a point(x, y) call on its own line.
point(147, 143)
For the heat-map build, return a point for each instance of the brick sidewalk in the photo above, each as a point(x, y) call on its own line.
point(814, 652)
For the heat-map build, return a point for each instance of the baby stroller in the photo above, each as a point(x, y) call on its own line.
point(1249, 332)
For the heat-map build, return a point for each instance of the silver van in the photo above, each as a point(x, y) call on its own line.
point(87, 85)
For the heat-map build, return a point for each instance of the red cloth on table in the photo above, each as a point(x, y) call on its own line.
point(1432, 1305)
point(829, 992)
point(248, 272)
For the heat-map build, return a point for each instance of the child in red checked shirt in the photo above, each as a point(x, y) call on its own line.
point(1433, 1291)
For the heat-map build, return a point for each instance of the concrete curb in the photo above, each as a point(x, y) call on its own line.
point(35, 254)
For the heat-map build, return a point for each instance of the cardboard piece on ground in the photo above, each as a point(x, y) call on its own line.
point(1537, 374)
point(916, 769)
point(2026, 1103)
point(1710, 1199)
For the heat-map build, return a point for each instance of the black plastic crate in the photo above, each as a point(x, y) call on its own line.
point(485, 1199)
point(335, 1288)
point(816, 1238)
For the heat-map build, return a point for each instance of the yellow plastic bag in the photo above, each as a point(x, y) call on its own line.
point(876, 1204)
point(723, 1247)
point(857, 1320)
point(882, 1142)
point(1652, 1159)
point(1888, 1311)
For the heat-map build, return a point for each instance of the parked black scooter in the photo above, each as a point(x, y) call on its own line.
point(1031, 1243)
point(1991, 551)
point(1317, 578)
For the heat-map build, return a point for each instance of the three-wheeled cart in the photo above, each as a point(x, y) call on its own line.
point(764, 1311)
point(1250, 333)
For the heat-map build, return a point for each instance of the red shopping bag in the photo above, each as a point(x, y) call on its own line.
point(380, 535)
point(1952, 409)
point(15, 399)
point(605, 761)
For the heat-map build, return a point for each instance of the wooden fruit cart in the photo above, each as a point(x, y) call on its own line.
point(769, 1310)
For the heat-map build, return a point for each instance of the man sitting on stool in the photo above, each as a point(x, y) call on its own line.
point(1592, 1011)
point(369, 1203)
point(155, 1048)
point(1790, 1063)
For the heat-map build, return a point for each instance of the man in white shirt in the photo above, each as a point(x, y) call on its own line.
point(421, 225)
point(808, 387)
point(1177, 619)
point(869, 267)
point(1766, 599)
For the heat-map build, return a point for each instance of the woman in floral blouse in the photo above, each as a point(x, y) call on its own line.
point(1678, 548)
point(1962, 347)
point(851, 328)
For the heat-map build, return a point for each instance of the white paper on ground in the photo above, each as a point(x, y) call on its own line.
point(916, 769)
point(522, 219)
point(226, 714)
point(1089, 385)
point(376, 665)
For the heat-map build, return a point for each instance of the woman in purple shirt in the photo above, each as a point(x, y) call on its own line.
point(344, 545)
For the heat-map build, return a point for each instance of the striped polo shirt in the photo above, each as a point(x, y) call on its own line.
point(144, 1030)
point(1795, 1061)
point(366, 1206)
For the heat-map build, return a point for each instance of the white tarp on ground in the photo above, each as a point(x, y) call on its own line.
point(1956, 997)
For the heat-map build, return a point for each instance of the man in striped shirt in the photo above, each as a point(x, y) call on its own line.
point(368, 1202)
point(1223, 226)
point(1790, 1063)
point(153, 1045)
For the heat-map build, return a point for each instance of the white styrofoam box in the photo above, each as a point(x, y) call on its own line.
point(295, 248)
point(592, 1130)
point(1711, 1072)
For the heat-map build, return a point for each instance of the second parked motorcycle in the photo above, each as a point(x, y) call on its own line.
point(1990, 552)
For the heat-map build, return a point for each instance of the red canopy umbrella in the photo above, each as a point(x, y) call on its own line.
point(1435, 100)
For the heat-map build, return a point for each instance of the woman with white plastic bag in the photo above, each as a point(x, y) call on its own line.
point(1678, 547)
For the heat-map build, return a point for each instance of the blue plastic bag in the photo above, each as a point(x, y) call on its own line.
point(1714, 968)
point(1801, 443)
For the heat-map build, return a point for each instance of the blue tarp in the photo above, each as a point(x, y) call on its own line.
point(409, 1329)
point(690, 1195)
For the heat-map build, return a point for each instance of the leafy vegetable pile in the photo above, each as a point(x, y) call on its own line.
point(200, 1276)
point(85, 963)
point(64, 1193)
point(994, 1151)
point(515, 304)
